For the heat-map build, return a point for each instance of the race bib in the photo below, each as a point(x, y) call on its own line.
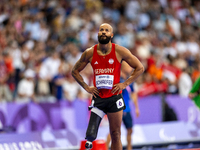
point(104, 81)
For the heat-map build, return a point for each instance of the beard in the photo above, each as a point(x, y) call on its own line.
point(103, 40)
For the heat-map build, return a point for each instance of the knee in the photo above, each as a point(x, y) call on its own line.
point(115, 135)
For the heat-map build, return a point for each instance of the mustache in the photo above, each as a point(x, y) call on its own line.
point(103, 35)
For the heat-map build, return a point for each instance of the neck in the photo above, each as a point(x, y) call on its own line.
point(105, 47)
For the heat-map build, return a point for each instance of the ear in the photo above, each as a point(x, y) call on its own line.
point(112, 35)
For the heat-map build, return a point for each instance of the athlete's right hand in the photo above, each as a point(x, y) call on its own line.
point(93, 90)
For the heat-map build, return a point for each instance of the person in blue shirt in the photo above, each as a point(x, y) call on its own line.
point(128, 94)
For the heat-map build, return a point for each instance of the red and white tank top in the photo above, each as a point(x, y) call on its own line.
point(106, 72)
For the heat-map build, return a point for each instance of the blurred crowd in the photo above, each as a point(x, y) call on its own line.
point(40, 41)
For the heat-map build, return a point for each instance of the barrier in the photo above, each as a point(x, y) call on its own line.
point(99, 145)
point(30, 117)
point(82, 147)
point(64, 124)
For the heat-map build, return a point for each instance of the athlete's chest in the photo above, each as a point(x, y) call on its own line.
point(104, 62)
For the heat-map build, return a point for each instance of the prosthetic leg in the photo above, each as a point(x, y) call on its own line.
point(95, 119)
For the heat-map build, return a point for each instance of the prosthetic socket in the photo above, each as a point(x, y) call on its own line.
point(95, 119)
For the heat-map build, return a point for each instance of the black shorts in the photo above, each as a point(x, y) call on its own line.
point(127, 120)
point(109, 105)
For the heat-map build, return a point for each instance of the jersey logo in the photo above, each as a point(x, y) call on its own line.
point(96, 63)
point(120, 103)
point(111, 61)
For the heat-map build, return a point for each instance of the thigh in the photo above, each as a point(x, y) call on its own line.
point(115, 120)
point(115, 104)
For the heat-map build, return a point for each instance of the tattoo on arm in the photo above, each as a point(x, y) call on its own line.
point(82, 59)
point(81, 82)
point(77, 67)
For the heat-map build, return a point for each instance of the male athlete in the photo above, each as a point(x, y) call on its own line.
point(106, 59)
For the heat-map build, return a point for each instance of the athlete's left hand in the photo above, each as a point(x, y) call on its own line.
point(118, 87)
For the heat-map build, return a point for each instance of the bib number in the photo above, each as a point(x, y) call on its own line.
point(104, 81)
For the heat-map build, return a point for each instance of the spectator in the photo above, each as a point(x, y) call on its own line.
point(5, 93)
point(132, 9)
point(60, 78)
point(26, 87)
point(74, 55)
point(71, 89)
point(184, 83)
point(196, 72)
point(123, 37)
point(49, 68)
point(18, 64)
point(44, 32)
point(30, 30)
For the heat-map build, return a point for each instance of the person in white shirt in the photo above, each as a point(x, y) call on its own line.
point(71, 89)
point(184, 83)
point(26, 86)
point(49, 68)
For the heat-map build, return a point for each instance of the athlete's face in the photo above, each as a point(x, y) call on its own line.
point(105, 34)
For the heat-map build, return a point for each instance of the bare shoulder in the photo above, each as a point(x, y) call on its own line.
point(123, 54)
point(87, 54)
point(122, 51)
point(90, 50)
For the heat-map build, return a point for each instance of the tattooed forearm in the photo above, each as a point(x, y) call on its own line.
point(77, 65)
point(81, 63)
point(82, 83)
point(83, 57)
point(79, 79)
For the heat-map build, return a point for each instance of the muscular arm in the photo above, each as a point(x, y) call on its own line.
point(79, 66)
point(138, 69)
point(133, 62)
point(124, 54)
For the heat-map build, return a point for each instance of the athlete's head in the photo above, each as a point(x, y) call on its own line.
point(105, 33)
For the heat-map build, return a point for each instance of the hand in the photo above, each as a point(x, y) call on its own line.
point(93, 90)
point(137, 112)
point(192, 95)
point(118, 87)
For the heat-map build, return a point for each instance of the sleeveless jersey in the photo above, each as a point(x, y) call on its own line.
point(106, 71)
